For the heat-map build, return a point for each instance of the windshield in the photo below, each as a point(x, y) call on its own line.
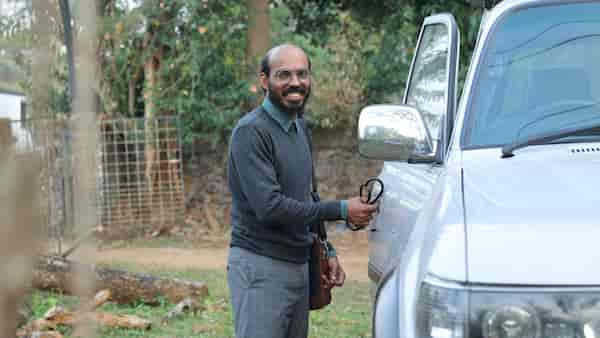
point(540, 73)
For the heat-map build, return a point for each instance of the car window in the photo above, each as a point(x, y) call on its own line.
point(429, 81)
point(540, 72)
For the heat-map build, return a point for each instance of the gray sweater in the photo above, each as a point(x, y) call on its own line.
point(269, 174)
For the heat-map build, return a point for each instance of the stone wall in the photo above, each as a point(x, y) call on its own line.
point(340, 171)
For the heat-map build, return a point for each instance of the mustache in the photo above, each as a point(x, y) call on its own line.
point(295, 89)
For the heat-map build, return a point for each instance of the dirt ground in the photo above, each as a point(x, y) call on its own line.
point(352, 251)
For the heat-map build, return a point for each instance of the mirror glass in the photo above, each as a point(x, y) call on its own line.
point(392, 132)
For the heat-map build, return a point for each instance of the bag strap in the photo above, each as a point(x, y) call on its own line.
point(320, 231)
point(310, 147)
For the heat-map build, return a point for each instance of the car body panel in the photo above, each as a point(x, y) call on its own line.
point(448, 230)
point(407, 188)
point(522, 226)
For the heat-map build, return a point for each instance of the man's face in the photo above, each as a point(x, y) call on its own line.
point(288, 85)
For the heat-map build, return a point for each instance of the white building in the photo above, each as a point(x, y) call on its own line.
point(10, 108)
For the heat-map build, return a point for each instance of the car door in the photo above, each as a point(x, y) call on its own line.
point(431, 88)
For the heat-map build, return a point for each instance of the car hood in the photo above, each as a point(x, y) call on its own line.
point(533, 219)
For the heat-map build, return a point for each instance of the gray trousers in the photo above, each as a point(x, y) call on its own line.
point(269, 297)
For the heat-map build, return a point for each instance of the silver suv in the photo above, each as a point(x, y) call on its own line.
point(489, 225)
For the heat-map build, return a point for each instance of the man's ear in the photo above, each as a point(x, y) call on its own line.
point(264, 81)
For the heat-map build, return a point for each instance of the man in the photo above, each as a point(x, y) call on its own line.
point(269, 172)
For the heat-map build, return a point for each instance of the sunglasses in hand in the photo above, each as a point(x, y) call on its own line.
point(370, 193)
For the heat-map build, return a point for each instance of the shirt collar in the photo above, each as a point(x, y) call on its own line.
point(283, 119)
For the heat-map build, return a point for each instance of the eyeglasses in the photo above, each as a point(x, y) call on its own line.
point(285, 76)
point(371, 191)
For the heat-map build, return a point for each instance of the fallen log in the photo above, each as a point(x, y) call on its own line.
point(122, 321)
point(59, 316)
point(41, 334)
point(56, 274)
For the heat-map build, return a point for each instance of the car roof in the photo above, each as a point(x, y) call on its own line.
point(507, 4)
point(504, 6)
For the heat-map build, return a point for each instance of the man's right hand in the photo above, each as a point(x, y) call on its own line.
point(359, 213)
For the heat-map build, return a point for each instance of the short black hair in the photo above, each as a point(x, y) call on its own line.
point(265, 62)
point(265, 67)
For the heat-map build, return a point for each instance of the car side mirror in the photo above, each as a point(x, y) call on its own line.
point(394, 133)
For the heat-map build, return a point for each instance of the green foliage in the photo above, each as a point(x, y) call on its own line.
point(375, 39)
point(312, 19)
point(316, 18)
point(390, 66)
point(390, 63)
point(361, 53)
point(200, 45)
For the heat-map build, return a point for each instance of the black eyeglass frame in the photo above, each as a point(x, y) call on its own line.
point(365, 193)
point(301, 75)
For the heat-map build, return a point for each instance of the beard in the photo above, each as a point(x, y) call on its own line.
point(278, 100)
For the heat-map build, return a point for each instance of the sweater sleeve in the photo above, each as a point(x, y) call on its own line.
point(254, 166)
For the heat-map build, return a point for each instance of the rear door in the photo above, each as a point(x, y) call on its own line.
point(431, 88)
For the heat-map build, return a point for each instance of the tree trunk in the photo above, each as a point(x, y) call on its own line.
point(258, 30)
point(151, 95)
point(258, 39)
point(151, 70)
point(107, 102)
point(55, 274)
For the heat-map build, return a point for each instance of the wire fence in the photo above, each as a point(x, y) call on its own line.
point(140, 179)
point(138, 185)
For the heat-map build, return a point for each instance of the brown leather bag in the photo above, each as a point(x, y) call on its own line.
point(320, 290)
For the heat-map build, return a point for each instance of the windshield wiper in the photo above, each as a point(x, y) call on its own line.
point(507, 150)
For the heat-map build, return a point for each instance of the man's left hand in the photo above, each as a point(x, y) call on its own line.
point(337, 276)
